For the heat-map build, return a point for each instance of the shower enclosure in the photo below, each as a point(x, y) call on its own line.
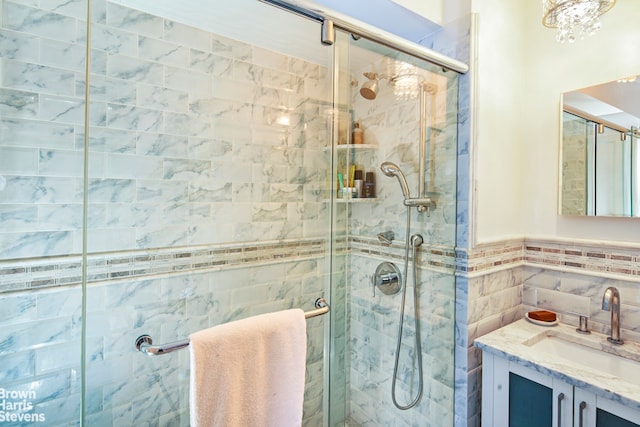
point(165, 168)
point(392, 132)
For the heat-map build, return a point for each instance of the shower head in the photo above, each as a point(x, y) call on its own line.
point(369, 89)
point(391, 169)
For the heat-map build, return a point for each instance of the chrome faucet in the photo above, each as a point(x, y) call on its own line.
point(611, 302)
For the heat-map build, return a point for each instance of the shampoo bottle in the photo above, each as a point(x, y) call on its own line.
point(358, 134)
point(370, 185)
point(359, 184)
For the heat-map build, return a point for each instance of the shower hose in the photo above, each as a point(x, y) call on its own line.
point(413, 241)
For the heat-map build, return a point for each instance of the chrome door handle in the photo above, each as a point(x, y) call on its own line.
point(583, 405)
point(560, 399)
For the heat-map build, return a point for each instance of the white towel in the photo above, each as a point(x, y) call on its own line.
point(249, 372)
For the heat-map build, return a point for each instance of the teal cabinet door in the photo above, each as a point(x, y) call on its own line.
point(530, 403)
point(606, 419)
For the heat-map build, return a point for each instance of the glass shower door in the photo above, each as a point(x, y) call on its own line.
point(402, 105)
point(208, 201)
point(41, 211)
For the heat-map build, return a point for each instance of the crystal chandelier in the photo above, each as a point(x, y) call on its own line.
point(574, 18)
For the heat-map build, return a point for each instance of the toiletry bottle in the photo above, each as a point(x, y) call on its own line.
point(370, 185)
point(358, 182)
point(340, 185)
point(352, 176)
point(358, 134)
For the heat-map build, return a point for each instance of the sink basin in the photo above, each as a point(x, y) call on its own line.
point(598, 359)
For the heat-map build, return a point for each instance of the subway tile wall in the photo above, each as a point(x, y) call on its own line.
point(373, 339)
point(40, 339)
point(194, 138)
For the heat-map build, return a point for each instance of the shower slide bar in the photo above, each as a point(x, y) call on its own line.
point(144, 342)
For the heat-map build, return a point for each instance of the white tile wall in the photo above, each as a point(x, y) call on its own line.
point(171, 104)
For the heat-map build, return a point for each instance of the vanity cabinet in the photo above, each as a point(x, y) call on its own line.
point(517, 396)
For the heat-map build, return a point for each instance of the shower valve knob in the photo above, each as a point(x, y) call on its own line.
point(387, 278)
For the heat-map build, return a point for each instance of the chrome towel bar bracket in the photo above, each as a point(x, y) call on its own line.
point(144, 343)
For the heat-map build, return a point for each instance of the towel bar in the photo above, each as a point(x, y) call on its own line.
point(144, 342)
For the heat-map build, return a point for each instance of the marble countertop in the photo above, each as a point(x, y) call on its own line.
point(514, 342)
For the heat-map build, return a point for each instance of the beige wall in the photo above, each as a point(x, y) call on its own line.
point(497, 117)
point(521, 72)
point(609, 54)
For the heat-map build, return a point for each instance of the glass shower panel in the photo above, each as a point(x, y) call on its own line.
point(338, 357)
point(384, 90)
point(42, 56)
point(212, 141)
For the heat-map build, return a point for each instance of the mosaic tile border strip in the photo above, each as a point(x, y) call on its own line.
point(373, 247)
point(63, 271)
point(585, 258)
point(608, 260)
point(600, 259)
point(499, 255)
point(435, 257)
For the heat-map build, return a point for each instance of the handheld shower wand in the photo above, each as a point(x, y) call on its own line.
point(424, 204)
point(391, 169)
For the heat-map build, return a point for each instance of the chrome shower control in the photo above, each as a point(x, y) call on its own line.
point(387, 278)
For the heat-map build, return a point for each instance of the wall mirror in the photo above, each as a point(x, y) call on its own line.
point(600, 174)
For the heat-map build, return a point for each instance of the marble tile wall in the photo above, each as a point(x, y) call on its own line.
point(194, 138)
point(454, 39)
point(39, 273)
point(374, 329)
point(494, 300)
point(41, 338)
point(391, 124)
point(570, 278)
